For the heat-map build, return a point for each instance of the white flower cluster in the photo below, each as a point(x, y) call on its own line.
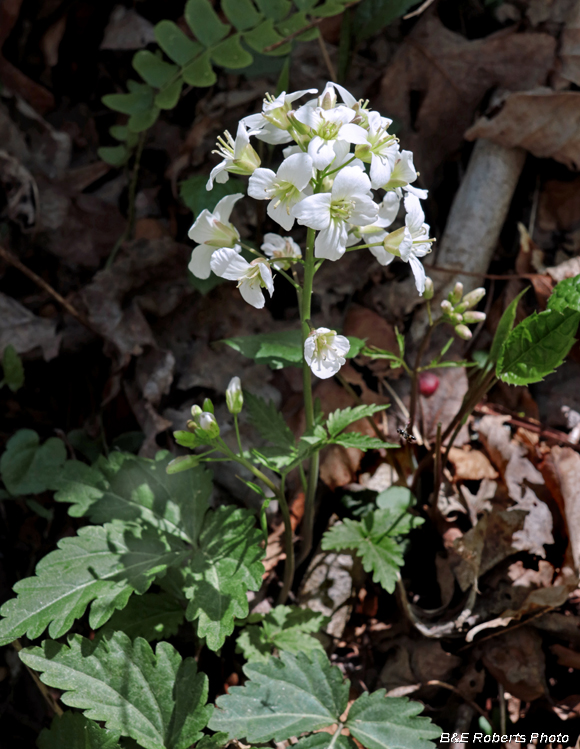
point(339, 152)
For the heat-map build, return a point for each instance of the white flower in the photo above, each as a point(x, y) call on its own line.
point(282, 249)
point(380, 149)
point(324, 352)
point(251, 277)
point(212, 229)
point(330, 213)
point(403, 171)
point(283, 190)
point(271, 124)
point(328, 98)
point(416, 243)
point(235, 396)
point(328, 126)
point(239, 157)
point(389, 208)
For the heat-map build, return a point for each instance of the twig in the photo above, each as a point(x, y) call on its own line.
point(308, 26)
point(13, 260)
point(326, 58)
point(50, 700)
point(419, 10)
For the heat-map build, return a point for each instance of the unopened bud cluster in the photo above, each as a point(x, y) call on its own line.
point(457, 310)
point(204, 423)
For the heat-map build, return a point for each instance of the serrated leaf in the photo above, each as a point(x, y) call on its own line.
point(13, 369)
point(282, 698)
point(342, 417)
point(74, 731)
point(360, 441)
point(168, 97)
point(275, 9)
point(176, 45)
point(231, 54)
point(216, 741)
point(380, 722)
point(114, 155)
point(504, 328)
point(27, 467)
point(204, 22)
point(537, 346)
point(373, 540)
point(101, 566)
point(152, 616)
point(199, 73)
point(566, 295)
point(128, 488)
point(225, 566)
point(242, 13)
point(269, 421)
point(263, 36)
point(154, 698)
point(323, 740)
point(153, 69)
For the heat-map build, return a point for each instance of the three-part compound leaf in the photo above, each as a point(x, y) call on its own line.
point(74, 731)
point(155, 698)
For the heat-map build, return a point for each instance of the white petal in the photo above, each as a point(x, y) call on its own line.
point(289, 150)
point(296, 169)
point(346, 96)
point(353, 134)
point(260, 183)
point(375, 121)
point(381, 169)
point(272, 243)
point(389, 208)
point(252, 293)
point(364, 211)
point(350, 181)
point(278, 212)
point(273, 135)
point(330, 243)
point(406, 246)
point(314, 211)
point(309, 116)
point(341, 345)
point(254, 122)
point(299, 94)
point(339, 114)
point(421, 194)
point(199, 264)
point(415, 216)
point(219, 174)
point(323, 368)
point(266, 274)
point(223, 209)
point(419, 273)
point(321, 152)
point(405, 168)
point(242, 140)
point(203, 227)
point(228, 263)
point(384, 257)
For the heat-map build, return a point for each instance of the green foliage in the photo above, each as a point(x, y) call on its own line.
point(154, 698)
point(152, 616)
point(27, 467)
point(159, 522)
point(361, 441)
point(288, 628)
point(12, 368)
point(341, 418)
point(74, 731)
point(374, 538)
point(373, 15)
point(292, 695)
point(566, 295)
point(269, 421)
point(504, 328)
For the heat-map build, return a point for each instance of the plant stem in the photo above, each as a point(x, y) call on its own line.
point(237, 426)
point(414, 376)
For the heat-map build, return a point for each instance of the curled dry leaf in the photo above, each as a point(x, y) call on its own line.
point(544, 122)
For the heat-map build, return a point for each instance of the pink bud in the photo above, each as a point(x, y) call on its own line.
point(428, 383)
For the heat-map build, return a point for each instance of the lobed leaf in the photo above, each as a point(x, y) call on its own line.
point(373, 15)
point(263, 36)
point(176, 45)
point(153, 69)
point(341, 418)
point(269, 421)
point(274, 9)
point(242, 13)
point(231, 54)
point(114, 155)
point(168, 97)
point(199, 72)
point(27, 467)
point(154, 698)
point(360, 441)
point(152, 616)
point(74, 731)
point(204, 22)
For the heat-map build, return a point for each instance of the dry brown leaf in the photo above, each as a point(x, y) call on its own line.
point(566, 656)
point(364, 323)
point(471, 464)
point(437, 79)
point(559, 205)
point(567, 464)
point(516, 660)
point(25, 331)
point(127, 30)
point(570, 47)
point(544, 122)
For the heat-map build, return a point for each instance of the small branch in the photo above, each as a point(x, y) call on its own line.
point(308, 26)
point(326, 58)
point(419, 10)
point(14, 261)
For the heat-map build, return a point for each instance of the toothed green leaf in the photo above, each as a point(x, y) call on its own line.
point(74, 731)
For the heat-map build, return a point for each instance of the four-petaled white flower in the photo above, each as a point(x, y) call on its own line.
point(380, 149)
point(251, 277)
point(212, 230)
point(416, 243)
point(271, 124)
point(283, 190)
point(330, 213)
point(328, 126)
point(324, 352)
point(283, 250)
point(239, 157)
point(403, 171)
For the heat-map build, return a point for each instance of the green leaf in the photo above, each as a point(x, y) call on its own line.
point(242, 13)
point(114, 155)
point(154, 698)
point(537, 346)
point(504, 328)
point(144, 120)
point(372, 539)
point(341, 418)
point(128, 488)
point(193, 193)
point(225, 566)
point(288, 628)
point(169, 96)
point(380, 722)
point(566, 295)
point(204, 22)
point(275, 9)
point(13, 369)
point(27, 467)
point(372, 16)
point(137, 101)
point(153, 616)
point(231, 54)
point(282, 349)
point(199, 73)
point(400, 342)
point(397, 499)
point(269, 421)
point(263, 36)
point(216, 741)
point(153, 69)
point(176, 45)
point(325, 741)
point(282, 698)
point(102, 565)
point(294, 23)
point(74, 731)
point(360, 441)
point(328, 9)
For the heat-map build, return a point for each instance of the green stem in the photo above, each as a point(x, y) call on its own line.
point(414, 376)
point(239, 439)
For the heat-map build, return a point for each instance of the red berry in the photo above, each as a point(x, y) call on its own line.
point(428, 383)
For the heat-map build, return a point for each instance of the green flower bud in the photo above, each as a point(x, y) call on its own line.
point(446, 307)
point(208, 425)
point(429, 289)
point(455, 296)
point(474, 297)
point(393, 241)
point(235, 396)
point(183, 463)
point(463, 332)
point(192, 425)
point(455, 319)
point(196, 411)
point(470, 316)
point(208, 406)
